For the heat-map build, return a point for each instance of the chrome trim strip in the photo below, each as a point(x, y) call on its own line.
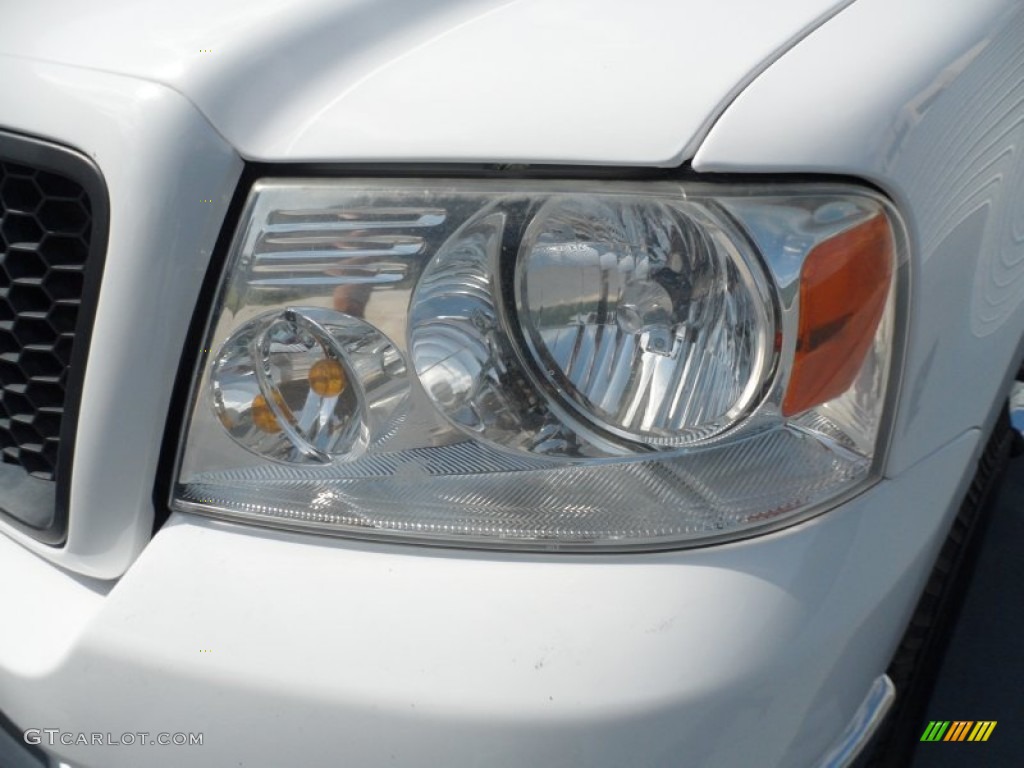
point(1017, 407)
point(862, 727)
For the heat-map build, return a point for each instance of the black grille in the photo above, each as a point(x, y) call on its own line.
point(45, 226)
point(54, 213)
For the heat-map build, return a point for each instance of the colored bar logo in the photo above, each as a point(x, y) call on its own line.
point(958, 730)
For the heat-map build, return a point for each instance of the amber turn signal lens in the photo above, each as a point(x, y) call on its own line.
point(844, 285)
point(263, 415)
point(327, 378)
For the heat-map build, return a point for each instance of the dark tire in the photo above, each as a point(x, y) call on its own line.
point(918, 658)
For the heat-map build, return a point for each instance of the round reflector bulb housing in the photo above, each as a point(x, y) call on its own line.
point(646, 315)
point(306, 385)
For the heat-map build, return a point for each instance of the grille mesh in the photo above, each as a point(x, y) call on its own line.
point(45, 226)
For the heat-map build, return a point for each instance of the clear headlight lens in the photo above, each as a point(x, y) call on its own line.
point(554, 364)
point(656, 323)
point(306, 385)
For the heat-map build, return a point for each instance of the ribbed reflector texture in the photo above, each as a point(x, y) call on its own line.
point(467, 491)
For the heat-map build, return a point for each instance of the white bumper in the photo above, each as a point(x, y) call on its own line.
point(288, 649)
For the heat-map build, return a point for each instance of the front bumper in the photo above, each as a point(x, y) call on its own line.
point(282, 648)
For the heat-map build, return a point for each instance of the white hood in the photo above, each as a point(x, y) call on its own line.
point(530, 81)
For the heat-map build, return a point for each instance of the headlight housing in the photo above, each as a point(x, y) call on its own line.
point(554, 364)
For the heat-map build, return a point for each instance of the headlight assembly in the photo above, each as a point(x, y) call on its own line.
point(563, 365)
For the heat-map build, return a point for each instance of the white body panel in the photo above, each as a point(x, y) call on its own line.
point(442, 80)
point(326, 652)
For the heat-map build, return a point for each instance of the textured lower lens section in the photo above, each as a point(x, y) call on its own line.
point(469, 493)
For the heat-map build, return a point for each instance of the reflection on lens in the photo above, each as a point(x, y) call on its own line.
point(644, 314)
point(307, 385)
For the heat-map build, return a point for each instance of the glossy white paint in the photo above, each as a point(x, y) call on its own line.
point(160, 159)
point(754, 653)
point(937, 120)
point(572, 81)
